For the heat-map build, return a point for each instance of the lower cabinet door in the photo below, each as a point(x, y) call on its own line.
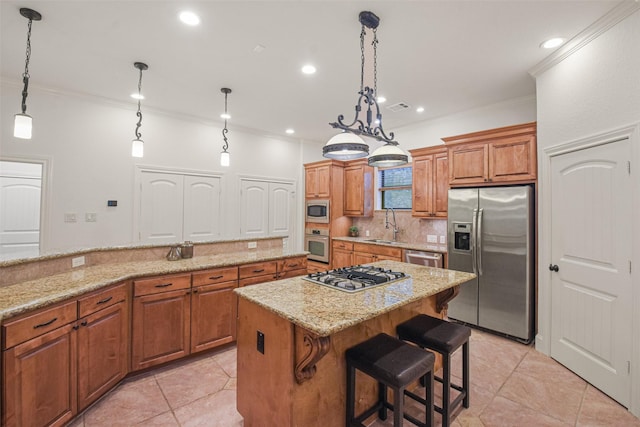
point(103, 349)
point(213, 316)
point(40, 380)
point(161, 328)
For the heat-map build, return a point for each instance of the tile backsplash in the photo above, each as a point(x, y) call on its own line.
point(412, 230)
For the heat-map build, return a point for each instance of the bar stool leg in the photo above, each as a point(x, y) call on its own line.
point(429, 399)
point(465, 373)
point(446, 389)
point(398, 410)
point(351, 385)
point(382, 400)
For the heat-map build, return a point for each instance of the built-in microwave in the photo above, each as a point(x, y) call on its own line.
point(317, 211)
point(316, 242)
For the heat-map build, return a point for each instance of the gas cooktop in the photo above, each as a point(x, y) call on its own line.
point(356, 278)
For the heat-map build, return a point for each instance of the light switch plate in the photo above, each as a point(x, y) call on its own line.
point(252, 245)
point(432, 238)
point(77, 262)
point(90, 217)
point(70, 217)
point(442, 240)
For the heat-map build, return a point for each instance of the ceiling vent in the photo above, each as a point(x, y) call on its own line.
point(400, 106)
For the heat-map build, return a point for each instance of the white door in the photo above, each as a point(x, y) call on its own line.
point(201, 208)
point(161, 208)
point(591, 246)
point(280, 208)
point(254, 208)
point(19, 217)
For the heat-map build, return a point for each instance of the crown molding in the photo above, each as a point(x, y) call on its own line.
point(611, 18)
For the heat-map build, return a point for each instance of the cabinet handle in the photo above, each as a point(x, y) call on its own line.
point(76, 327)
point(216, 277)
point(293, 265)
point(195, 291)
point(41, 325)
point(164, 285)
point(84, 323)
point(258, 271)
point(102, 301)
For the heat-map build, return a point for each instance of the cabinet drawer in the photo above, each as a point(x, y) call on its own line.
point(291, 264)
point(30, 326)
point(102, 299)
point(258, 269)
point(292, 273)
point(339, 244)
point(378, 250)
point(217, 275)
point(257, 279)
point(161, 284)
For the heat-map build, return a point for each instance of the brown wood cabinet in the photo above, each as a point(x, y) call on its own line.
point(318, 181)
point(161, 320)
point(430, 182)
point(358, 189)
point(503, 155)
point(40, 368)
point(364, 253)
point(316, 267)
point(292, 267)
point(213, 308)
point(259, 272)
point(342, 254)
point(103, 342)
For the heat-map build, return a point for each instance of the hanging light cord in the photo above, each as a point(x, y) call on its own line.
point(25, 76)
point(225, 130)
point(139, 113)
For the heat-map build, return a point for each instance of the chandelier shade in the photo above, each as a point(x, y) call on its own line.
point(345, 146)
point(388, 155)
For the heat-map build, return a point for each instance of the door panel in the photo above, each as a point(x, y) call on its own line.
point(463, 307)
point(591, 244)
point(161, 207)
point(19, 217)
point(280, 195)
point(201, 208)
point(254, 208)
point(504, 260)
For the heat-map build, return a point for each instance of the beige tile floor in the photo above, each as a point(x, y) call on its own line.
point(511, 385)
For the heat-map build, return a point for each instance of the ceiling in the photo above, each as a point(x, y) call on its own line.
point(447, 56)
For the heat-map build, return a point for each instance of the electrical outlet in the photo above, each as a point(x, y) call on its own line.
point(90, 217)
point(260, 342)
point(432, 238)
point(252, 245)
point(366, 233)
point(70, 217)
point(77, 262)
point(442, 240)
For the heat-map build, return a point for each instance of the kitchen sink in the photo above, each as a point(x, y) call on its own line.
point(386, 242)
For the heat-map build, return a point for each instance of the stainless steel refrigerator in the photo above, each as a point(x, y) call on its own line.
point(491, 234)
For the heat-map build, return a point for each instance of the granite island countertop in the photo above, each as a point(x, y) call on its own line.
point(426, 247)
point(33, 294)
point(325, 311)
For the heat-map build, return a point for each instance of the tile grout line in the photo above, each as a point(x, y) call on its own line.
point(166, 400)
point(584, 395)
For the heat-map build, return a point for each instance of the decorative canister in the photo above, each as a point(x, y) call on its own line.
point(187, 249)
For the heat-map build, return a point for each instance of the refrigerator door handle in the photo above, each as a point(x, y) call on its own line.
point(479, 242)
point(474, 224)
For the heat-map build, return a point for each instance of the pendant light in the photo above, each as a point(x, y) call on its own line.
point(137, 145)
point(225, 158)
point(373, 127)
point(23, 121)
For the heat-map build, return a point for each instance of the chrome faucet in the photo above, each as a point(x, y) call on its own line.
point(386, 222)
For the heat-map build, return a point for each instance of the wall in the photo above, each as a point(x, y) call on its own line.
point(86, 143)
point(594, 90)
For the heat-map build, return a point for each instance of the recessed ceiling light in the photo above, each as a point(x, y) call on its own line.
point(551, 43)
point(309, 69)
point(419, 109)
point(225, 116)
point(381, 99)
point(290, 131)
point(189, 18)
point(137, 96)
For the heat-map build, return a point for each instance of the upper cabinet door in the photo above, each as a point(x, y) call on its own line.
point(468, 164)
point(201, 208)
point(513, 159)
point(254, 209)
point(318, 182)
point(280, 208)
point(161, 207)
point(422, 185)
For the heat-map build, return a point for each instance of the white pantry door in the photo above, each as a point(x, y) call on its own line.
point(591, 296)
point(201, 208)
point(280, 208)
point(161, 207)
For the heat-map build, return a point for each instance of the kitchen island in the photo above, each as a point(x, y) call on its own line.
point(292, 335)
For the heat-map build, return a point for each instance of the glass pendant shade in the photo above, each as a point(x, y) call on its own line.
point(225, 158)
point(22, 126)
point(137, 148)
point(345, 146)
point(387, 156)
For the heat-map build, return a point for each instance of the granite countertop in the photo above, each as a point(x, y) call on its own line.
point(427, 247)
point(325, 311)
point(26, 296)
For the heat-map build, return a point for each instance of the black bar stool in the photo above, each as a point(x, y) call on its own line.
point(393, 364)
point(445, 338)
